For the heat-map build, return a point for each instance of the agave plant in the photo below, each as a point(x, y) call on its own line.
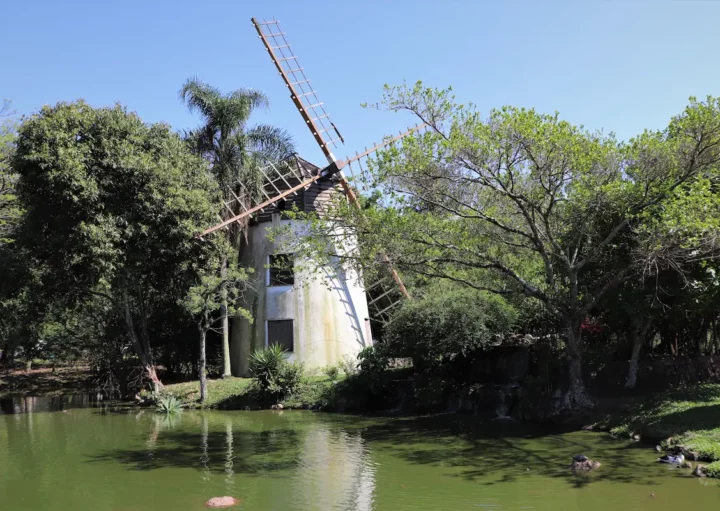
point(265, 364)
point(169, 405)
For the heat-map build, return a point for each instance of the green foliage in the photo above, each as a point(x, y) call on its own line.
point(273, 374)
point(526, 204)
point(447, 323)
point(10, 210)
point(348, 366)
point(265, 364)
point(169, 405)
point(286, 381)
point(112, 208)
point(713, 469)
point(332, 372)
point(373, 360)
point(234, 148)
point(220, 283)
point(111, 195)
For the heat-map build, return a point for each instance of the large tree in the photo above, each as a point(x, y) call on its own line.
point(9, 209)
point(10, 215)
point(112, 207)
point(522, 202)
point(236, 151)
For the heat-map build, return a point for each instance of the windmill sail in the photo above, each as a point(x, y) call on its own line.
point(301, 91)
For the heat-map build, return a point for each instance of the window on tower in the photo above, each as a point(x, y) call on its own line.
point(281, 271)
point(280, 332)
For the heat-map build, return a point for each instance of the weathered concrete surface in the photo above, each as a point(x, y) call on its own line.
point(329, 308)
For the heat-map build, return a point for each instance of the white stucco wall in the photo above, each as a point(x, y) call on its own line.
point(329, 316)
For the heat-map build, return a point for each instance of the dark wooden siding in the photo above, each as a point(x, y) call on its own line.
point(314, 198)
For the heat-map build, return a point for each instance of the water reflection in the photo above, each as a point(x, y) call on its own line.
point(36, 404)
point(334, 471)
point(294, 461)
point(229, 479)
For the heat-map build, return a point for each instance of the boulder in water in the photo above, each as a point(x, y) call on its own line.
point(219, 502)
point(691, 455)
point(699, 470)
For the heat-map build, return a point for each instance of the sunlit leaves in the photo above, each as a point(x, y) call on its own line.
point(215, 286)
point(10, 210)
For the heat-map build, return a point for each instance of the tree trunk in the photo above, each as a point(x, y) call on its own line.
point(144, 356)
point(227, 371)
point(577, 397)
point(634, 357)
point(202, 362)
point(151, 373)
point(638, 333)
point(226, 343)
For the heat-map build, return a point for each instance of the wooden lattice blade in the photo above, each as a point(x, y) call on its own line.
point(279, 181)
point(302, 93)
point(284, 180)
point(383, 298)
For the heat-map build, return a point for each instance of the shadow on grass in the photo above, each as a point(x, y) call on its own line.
point(676, 413)
point(44, 380)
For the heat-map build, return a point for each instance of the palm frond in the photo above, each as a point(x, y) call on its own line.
point(235, 152)
point(201, 97)
point(255, 98)
point(270, 142)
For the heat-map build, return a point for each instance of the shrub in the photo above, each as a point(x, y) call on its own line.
point(373, 360)
point(332, 372)
point(286, 381)
point(265, 364)
point(437, 328)
point(713, 469)
point(169, 405)
point(273, 374)
point(348, 366)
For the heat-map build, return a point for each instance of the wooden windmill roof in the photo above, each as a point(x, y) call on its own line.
point(314, 198)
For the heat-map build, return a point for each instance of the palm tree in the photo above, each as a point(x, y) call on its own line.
point(235, 150)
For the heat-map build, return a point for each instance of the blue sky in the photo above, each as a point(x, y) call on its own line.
point(618, 65)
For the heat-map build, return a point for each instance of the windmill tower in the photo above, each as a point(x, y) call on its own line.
point(318, 321)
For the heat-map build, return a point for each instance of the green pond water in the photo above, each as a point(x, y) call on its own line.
point(103, 458)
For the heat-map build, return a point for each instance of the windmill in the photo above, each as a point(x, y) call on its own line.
point(299, 183)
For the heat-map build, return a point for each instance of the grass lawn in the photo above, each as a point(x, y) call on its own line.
point(687, 417)
point(236, 393)
point(219, 391)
